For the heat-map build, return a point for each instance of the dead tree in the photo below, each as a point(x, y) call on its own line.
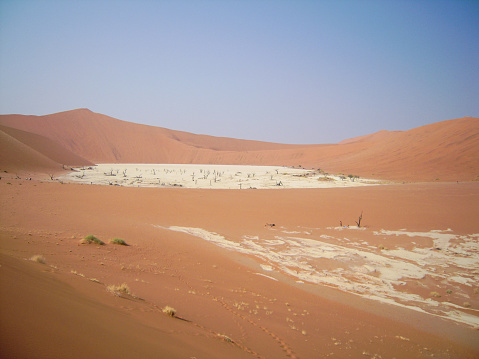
point(358, 222)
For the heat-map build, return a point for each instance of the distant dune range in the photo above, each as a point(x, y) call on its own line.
point(444, 151)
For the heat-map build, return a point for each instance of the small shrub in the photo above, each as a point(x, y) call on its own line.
point(38, 258)
point(435, 294)
point(325, 179)
point(91, 239)
point(226, 338)
point(169, 311)
point(118, 241)
point(76, 273)
point(118, 290)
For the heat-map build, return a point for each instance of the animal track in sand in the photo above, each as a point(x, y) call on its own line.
point(283, 345)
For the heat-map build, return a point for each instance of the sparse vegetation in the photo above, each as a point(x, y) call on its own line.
point(91, 239)
point(119, 290)
point(76, 273)
point(325, 179)
point(226, 338)
point(169, 311)
point(435, 295)
point(118, 241)
point(38, 258)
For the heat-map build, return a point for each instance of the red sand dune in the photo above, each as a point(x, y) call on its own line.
point(62, 308)
point(445, 151)
point(225, 310)
point(20, 150)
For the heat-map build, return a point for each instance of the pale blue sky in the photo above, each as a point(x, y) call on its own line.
point(280, 71)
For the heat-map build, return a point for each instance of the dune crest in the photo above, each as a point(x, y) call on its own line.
point(445, 151)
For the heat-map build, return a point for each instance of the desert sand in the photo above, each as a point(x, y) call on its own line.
point(313, 285)
point(443, 151)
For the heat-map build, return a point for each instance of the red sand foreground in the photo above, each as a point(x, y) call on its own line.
point(61, 303)
point(223, 308)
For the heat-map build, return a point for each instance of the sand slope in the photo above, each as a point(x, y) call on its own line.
point(62, 308)
point(15, 155)
point(102, 138)
point(94, 329)
point(21, 150)
point(445, 151)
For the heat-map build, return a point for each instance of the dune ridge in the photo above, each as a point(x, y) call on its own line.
point(37, 150)
point(445, 151)
point(237, 304)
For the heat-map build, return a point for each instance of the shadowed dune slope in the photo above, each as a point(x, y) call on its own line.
point(21, 150)
point(447, 150)
point(15, 155)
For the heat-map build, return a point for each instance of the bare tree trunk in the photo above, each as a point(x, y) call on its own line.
point(358, 222)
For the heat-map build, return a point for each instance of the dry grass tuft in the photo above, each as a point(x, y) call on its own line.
point(325, 179)
point(119, 290)
point(119, 241)
point(76, 273)
point(169, 311)
point(91, 239)
point(226, 338)
point(38, 258)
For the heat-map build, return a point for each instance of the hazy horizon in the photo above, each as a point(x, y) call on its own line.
point(276, 71)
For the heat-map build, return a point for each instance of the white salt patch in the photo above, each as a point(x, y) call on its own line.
point(441, 240)
point(266, 267)
point(462, 280)
point(272, 242)
point(266, 276)
point(206, 176)
point(362, 270)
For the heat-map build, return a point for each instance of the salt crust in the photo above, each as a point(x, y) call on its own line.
point(357, 270)
point(209, 176)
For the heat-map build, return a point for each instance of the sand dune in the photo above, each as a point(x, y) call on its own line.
point(445, 151)
point(15, 155)
point(101, 138)
point(23, 150)
point(62, 308)
point(303, 288)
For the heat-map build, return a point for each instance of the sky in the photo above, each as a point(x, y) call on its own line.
point(298, 71)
